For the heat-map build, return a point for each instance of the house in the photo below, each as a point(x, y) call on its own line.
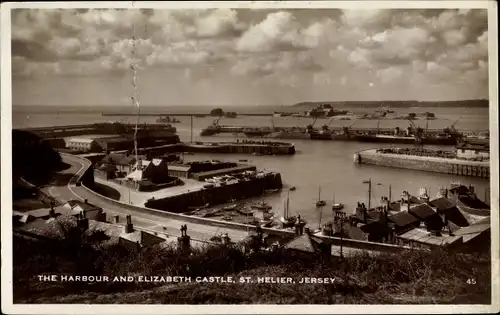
point(426, 214)
point(83, 144)
point(75, 207)
point(477, 236)
point(449, 212)
point(115, 143)
point(137, 239)
point(123, 162)
point(427, 239)
point(179, 170)
point(310, 244)
point(403, 221)
point(155, 170)
point(463, 196)
point(477, 149)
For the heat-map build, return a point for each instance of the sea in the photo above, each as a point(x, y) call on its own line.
point(319, 169)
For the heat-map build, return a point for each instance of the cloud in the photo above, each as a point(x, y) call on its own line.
point(281, 31)
point(401, 50)
point(389, 75)
point(105, 36)
point(276, 63)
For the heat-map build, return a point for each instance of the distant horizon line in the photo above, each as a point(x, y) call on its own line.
point(255, 105)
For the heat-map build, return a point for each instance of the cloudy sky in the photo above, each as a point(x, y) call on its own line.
point(245, 57)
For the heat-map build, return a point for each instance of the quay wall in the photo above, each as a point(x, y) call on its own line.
point(216, 195)
point(264, 149)
point(86, 180)
point(420, 163)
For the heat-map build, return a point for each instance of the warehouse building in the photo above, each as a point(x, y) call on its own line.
point(83, 144)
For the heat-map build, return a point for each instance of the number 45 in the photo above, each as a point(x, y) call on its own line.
point(471, 281)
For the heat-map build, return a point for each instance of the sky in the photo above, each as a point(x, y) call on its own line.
point(247, 56)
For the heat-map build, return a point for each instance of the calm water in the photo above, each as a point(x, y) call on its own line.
point(318, 164)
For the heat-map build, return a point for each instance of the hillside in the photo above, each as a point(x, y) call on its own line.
point(398, 104)
point(410, 277)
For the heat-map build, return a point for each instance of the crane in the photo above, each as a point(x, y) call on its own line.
point(417, 131)
point(451, 129)
point(325, 127)
point(216, 122)
point(311, 126)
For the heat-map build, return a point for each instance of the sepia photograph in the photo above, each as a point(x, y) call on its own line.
point(190, 154)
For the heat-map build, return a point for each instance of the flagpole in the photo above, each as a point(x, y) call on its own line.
point(136, 94)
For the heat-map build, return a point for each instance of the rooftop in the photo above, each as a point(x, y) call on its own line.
point(403, 219)
point(441, 203)
point(422, 211)
point(80, 139)
point(426, 237)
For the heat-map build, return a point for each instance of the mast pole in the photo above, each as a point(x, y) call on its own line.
point(390, 193)
point(136, 93)
point(369, 193)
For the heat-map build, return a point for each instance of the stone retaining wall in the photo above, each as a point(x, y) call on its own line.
point(431, 164)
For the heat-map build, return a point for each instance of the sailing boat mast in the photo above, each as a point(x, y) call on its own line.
point(287, 205)
point(135, 98)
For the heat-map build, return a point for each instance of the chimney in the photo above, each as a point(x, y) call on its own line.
point(225, 239)
point(84, 214)
point(307, 231)
point(82, 222)
point(471, 189)
point(52, 212)
point(129, 227)
point(86, 201)
point(184, 242)
point(435, 233)
point(116, 219)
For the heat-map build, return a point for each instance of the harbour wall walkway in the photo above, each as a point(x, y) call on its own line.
point(423, 163)
point(254, 147)
point(86, 180)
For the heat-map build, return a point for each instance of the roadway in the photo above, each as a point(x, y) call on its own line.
point(67, 190)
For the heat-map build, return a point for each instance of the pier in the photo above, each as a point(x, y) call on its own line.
point(445, 165)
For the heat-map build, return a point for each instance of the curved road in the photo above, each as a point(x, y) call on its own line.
point(67, 190)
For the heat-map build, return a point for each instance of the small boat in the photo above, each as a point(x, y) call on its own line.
point(231, 207)
point(262, 206)
point(320, 203)
point(243, 160)
point(199, 207)
point(270, 191)
point(227, 218)
point(244, 211)
point(336, 206)
point(292, 188)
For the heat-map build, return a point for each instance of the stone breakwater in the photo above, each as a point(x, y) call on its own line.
point(217, 195)
point(424, 163)
point(254, 147)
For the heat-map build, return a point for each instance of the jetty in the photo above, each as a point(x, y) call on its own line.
point(438, 161)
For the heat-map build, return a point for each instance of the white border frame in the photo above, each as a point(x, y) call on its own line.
point(6, 171)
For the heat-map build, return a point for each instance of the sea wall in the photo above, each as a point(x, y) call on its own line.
point(254, 148)
point(429, 164)
point(216, 195)
point(86, 180)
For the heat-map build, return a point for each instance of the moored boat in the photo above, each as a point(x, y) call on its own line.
point(262, 206)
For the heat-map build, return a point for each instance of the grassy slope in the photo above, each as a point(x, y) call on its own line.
point(413, 277)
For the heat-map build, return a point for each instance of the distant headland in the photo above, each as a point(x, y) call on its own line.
point(399, 104)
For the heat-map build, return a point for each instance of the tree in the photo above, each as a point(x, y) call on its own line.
point(217, 112)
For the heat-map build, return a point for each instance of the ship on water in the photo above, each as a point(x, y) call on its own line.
point(413, 134)
point(168, 120)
